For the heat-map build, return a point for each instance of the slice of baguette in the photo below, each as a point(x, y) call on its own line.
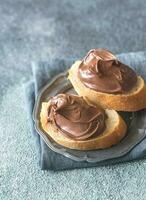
point(114, 132)
point(133, 100)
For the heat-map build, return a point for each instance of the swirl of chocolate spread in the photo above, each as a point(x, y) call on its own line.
point(74, 118)
point(101, 71)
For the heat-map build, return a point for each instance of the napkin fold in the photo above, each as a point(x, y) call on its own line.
point(43, 72)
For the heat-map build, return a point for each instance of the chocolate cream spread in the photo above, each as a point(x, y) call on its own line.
point(101, 71)
point(74, 118)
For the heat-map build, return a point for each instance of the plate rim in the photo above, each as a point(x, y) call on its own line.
point(63, 150)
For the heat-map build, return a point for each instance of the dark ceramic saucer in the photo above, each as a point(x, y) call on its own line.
point(135, 123)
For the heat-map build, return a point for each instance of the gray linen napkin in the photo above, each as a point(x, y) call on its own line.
point(43, 72)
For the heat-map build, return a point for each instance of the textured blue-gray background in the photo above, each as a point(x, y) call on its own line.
point(33, 30)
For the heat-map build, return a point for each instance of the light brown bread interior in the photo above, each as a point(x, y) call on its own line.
point(114, 132)
point(133, 100)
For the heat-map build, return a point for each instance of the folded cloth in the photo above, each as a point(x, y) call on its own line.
point(43, 72)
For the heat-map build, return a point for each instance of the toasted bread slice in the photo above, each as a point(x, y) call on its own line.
point(114, 132)
point(133, 100)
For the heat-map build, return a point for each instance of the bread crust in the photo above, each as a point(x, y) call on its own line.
point(133, 100)
point(115, 131)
